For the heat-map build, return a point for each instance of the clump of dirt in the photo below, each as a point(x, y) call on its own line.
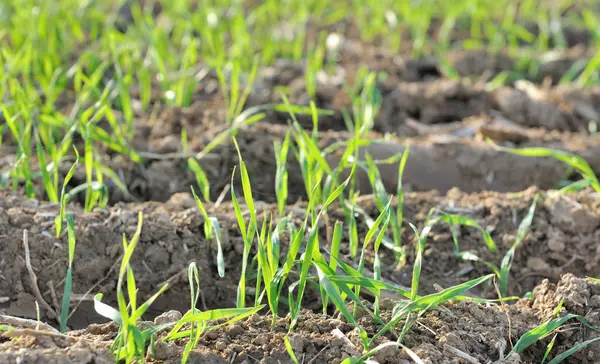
point(578, 296)
point(31, 346)
point(447, 101)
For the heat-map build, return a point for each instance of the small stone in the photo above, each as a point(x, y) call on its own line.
point(168, 317)
point(337, 342)
point(164, 350)
point(237, 348)
point(260, 340)
point(221, 345)
point(594, 301)
point(538, 264)
point(334, 41)
point(297, 343)
point(81, 355)
point(387, 304)
point(556, 245)
point(387, 353)
point(573, 217)
point(235, 330)
point(211, 335)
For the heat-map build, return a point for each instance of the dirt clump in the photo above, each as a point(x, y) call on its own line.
point(579, 296)
point(31, 346)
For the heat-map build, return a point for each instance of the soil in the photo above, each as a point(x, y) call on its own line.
point(456, 332)
point(451, 168)
point(562, 238)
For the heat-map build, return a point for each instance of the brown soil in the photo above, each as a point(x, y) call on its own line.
point(563, 236)
point(454, 333)
point(441, 158)
point(450, 168)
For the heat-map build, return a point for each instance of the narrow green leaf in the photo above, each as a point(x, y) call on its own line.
point(290, 351)
point(573, 350)
point(61, 218)
point(539, 332)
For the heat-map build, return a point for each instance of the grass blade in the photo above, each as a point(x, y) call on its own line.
point(64, 311)
point(59, 221)
point(539, 332)
point(508, 258)
point(290, 351)
point(572, 350)
point(417, 265)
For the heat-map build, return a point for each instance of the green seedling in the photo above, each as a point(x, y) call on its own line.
point(60, 219)
point(290, 350)
point(212, 226)
point(247, 234)
point(314, 64)
point(131, 340)
point(231, 90)
point(281, 174)
point(502, 272)
point(201, 178)
point(572, 160)
point(66, 301)
point(312, 246)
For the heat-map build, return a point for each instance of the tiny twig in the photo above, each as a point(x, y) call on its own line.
point(147, 267)
point(33, 278)
point(222, 196)
point(35, 333)
point(25, 323)
point(319, 353)
point(505, 309)
point(461, 354)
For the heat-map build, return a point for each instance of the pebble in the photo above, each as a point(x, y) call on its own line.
point(556, 245)
point(260, 340)
point(221, 345)
point(297, 343)
point(164, 350)
point(538, 265)
point(235, 331)
point(237, 348)
point(168, 317)
point(212, 335)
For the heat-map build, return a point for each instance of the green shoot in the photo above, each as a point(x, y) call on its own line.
point(59, 221)
point(509, 256)
point(290, 351)
point(248, 235)
point(281, 174)
point(573, 350)
point(64, 311)
point(574, 161)
point(130, 343)
point(201, 178)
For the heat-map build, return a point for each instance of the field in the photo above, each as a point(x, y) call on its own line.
point(320, 181)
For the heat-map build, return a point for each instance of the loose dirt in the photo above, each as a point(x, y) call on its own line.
point(562, 239)
point(456, 332)
point(451, 168)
